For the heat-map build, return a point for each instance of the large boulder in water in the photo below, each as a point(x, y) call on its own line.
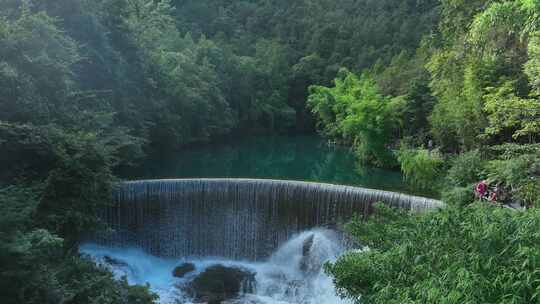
point(307, 244)
point(219, 283)
point(306, 263)
point(182, 270)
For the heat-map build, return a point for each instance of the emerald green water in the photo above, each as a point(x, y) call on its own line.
point(305, 158)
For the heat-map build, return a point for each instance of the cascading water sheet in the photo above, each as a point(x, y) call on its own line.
point(241, 219)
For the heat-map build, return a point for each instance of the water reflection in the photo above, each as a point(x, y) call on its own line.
point(306, 158)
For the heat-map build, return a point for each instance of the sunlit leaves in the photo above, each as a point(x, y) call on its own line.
point(354, 110)
point(506, 111)
point(421, 168)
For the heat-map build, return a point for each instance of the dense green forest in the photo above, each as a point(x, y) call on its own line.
point(90, 87)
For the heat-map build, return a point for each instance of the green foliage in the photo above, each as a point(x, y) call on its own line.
point(185, 72)
point(520, 173)
point(483, 71)
point(34, 266)
point(457, 117)
point(407, 80)
point(466, 169)
point(458, 196)
point(475, 254)
point(187, 99)
point(316, 39)
point(18, 205)
point(353, 34)
point(77, 179)
point(506, 111)
point(35, 68)
point(514, 168)
point(532, 67)
point(421, 168)
point(382, 230)
point(355, 111)
point(30, 275)
point(57, 181)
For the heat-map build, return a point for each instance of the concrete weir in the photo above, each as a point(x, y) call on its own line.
point(233, 218)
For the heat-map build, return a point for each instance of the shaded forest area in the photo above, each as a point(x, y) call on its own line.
point(182, 72)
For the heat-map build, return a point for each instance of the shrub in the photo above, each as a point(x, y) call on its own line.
point(474, 254)
point(466, 169)
point(459, 196)
point(521, 175)
point(421, 168)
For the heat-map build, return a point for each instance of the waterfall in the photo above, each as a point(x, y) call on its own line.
point(281, 279)
point(242, 219)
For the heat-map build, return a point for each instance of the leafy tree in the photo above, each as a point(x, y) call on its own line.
point(35, 267)
point(355, 111)
point(35, 69)
point(77, 177)
point(188, 102)
point(421, 168)
point(478, 73)
point(319, 35)
point(407, 80)
point(508, 112)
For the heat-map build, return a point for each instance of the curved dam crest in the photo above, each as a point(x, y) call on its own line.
point(242, 219)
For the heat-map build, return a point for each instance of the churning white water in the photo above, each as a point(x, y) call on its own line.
point(293, 274)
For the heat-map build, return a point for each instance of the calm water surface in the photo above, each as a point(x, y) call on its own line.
point(306, 158)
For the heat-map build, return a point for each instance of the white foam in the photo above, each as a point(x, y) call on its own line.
point(279, 280)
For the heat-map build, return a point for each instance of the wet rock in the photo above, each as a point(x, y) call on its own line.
point(306, 246)
point(305, 262)
point(114, 262)
point(182, 270)
point(219, 283)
